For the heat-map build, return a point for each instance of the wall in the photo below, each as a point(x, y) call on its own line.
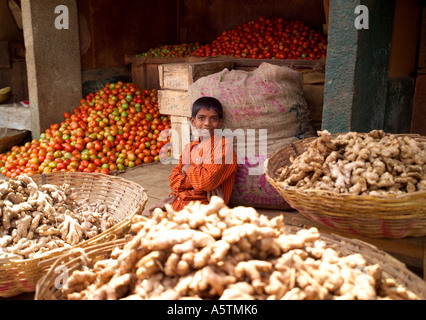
point(8, 30)
point(116, 28)
point(204, 20)
point(16, 78)
point(402, 66)
point(110, 29)
point(419, 106)
point(15, 116)
point(12, 62)
point(405, 38)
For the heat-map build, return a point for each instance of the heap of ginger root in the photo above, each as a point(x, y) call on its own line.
point(35, 220)
point(360, 164)
point(214, 252)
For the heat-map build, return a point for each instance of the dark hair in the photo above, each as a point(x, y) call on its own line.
point(207, 103)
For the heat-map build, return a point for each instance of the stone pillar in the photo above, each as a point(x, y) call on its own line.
point(53, 60)
point(357, 66)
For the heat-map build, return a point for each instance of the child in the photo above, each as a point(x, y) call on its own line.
point(203, 169)
point(208, 164)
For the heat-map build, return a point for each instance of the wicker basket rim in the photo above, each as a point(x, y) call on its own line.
point(347, 196)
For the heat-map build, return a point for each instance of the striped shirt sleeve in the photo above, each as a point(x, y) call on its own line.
point(178, 180)
point(208, 175)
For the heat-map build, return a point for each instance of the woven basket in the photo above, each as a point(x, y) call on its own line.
point(5, 94)
point(124, 199)
point(48, 288)
point(11, 137)
point(371, 216)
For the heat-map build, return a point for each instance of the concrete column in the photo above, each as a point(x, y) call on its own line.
point(357, 66)
point(53, 60)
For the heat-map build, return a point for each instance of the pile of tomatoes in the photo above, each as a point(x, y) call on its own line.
point(266, 38)
point(171, 51)
point(117, 127)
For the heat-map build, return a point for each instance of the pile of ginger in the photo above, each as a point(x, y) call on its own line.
point(354, 163)
point(36, 219)
point(214, 252)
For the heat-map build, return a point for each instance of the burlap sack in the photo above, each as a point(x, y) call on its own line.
point(265, 106)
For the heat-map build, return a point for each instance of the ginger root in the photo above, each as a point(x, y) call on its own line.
point(34, 220)
point(354, 163)
point(253, 258)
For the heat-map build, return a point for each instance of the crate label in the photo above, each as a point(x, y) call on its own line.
point(174, 103)
point(176, 82)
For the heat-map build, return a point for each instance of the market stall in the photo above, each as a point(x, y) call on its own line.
point(345, 205)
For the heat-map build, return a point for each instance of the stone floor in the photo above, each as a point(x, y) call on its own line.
point(155, 179)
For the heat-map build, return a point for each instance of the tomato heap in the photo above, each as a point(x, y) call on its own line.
point(119, 126)
point(171, 51)
point(266, 38)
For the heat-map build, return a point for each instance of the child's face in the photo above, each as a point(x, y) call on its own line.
point(207, 119)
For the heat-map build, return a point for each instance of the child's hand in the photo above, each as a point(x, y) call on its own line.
point(185, 167)
point(216, 192)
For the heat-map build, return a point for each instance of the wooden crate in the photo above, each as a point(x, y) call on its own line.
point(144, 70)
point(182, 129)
point(179, 119)
point(251, 64)
point(180, 76)
point(176, 78)
point(174, 102)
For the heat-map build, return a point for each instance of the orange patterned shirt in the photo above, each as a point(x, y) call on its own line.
point(213, 164)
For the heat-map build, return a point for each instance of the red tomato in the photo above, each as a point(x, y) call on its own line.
point(97, 162)
point(148, 159)
point(114, 120)
point(79, 146)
